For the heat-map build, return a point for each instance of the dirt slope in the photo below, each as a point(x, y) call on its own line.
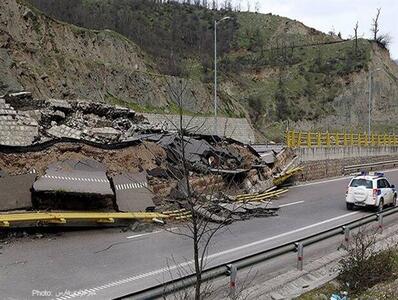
point(57, 60)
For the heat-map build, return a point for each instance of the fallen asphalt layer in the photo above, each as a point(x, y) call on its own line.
point(110, 263)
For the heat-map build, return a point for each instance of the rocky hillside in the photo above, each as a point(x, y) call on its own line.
point(53, 59)
point(274, 70)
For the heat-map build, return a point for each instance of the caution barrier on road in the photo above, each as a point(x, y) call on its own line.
point(286, 175)
point(260, 197)
point(9, 219)
point(178, 214)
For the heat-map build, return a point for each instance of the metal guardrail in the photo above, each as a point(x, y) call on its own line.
point(369, 166)
point(309, 139)
point(223, 269)
point(8, 219)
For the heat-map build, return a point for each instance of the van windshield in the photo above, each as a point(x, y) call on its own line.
point(361, 182)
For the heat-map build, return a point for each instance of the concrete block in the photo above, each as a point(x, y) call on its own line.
point(133, 192)
point(74, 185)
point(15, 191)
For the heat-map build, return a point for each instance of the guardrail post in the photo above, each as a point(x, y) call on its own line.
point(300, 256)
point(346, 237)
point(233, 271)
point(381, 222)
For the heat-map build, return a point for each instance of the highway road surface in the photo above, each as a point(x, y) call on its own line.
point(111, 263)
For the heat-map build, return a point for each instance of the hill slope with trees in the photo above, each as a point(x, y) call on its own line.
point(275, 70)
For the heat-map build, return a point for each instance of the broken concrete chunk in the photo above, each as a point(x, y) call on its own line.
point(61, 105)
point(64, 131)
point(69, 186)
point(15, 191)
point(133, 192)
point(108, 133)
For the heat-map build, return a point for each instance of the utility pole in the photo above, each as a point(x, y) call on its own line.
point(215, 72)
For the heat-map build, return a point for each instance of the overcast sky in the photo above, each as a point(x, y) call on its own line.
point(337, 15)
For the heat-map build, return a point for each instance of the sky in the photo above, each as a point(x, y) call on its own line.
point(337, 15)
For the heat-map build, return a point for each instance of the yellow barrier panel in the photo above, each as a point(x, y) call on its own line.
point(322, 139)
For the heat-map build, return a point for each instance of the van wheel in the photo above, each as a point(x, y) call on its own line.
point(350, 206)
point(381, 205)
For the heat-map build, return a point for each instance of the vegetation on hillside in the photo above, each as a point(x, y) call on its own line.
point(277, 68)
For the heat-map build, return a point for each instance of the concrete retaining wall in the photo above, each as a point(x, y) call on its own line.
point(324, 162)
point(236, 128)
point(324, 153)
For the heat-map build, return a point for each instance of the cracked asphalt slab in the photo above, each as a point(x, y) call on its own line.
point(107, 263)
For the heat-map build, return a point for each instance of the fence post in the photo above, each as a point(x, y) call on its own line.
point(232, 281)
point(309, 140)
point(351, 139)
point(345, 139)
point(300, 256)
point(319, 139)
point(337, 141)
point(300, 135)
point(327, 138)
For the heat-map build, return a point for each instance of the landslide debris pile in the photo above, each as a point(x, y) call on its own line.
point(77, 155)
point(25, 121)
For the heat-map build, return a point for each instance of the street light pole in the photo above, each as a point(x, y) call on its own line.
point(370, 101)
point(215, 77)
point(215, 72)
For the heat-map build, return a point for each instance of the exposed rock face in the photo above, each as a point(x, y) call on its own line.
point(352, 106)
point(56, 60)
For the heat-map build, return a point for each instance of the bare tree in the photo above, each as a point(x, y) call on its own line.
point(375, 25)
point(199, 228)
point(257, 7)
point(238, 5)
point(356, 38)
point(204, 223)
point(248, 5)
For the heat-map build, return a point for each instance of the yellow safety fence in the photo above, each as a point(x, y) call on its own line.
point(308, 139)
point(9, 219)
point(260, 197)
point(282, 178)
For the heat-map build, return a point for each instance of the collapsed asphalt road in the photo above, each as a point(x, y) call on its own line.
point(110, 263)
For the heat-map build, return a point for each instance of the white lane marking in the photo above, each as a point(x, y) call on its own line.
point(280, 235)
point(320, 182)
point(142, 234)
point(190, 262)
point(153, 232)
point(293, 203)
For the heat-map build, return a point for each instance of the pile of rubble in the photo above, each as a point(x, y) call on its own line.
point(110, 158)
point(25, 121)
